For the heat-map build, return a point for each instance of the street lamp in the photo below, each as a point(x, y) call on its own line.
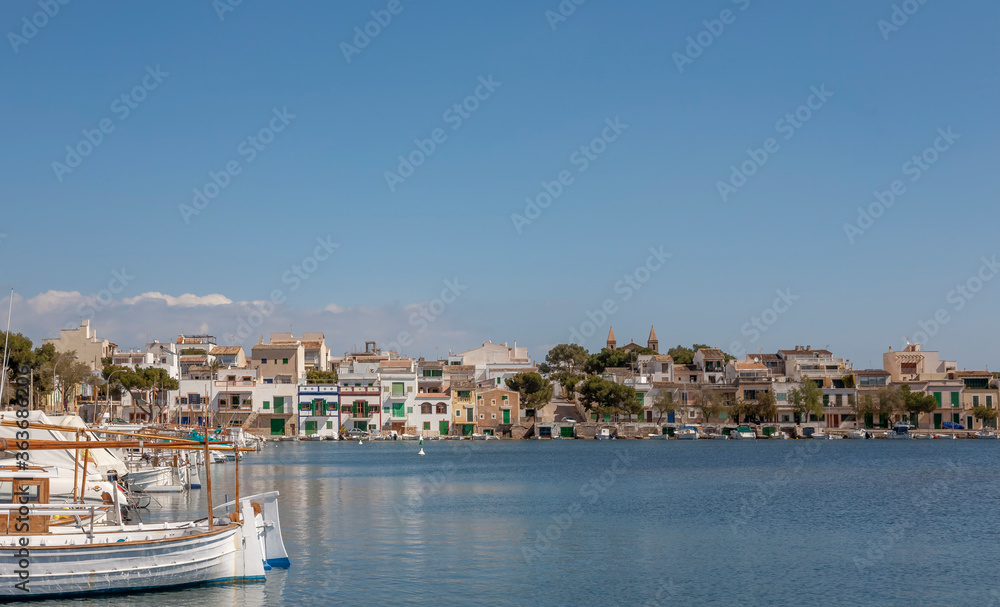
point(62, 394)
point(107, 387)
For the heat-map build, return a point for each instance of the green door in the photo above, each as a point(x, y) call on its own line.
point(937, 421)
point(443, 428)
point(397, 409)
point(467, 429)
point(506, 416)
point(310, 428)
point(279, 404)
point(277, 427)
point(566, 431)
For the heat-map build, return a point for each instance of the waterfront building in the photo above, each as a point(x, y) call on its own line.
point(980, 389)
point(399, 389)
point(315, 355)
point(462, 386)
point(360, 392)
point(497, 411)
point(232, 357)
point(84, 342)
point(319, 409)
point(282, 363)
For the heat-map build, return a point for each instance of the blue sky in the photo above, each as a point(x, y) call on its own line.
point(390, 250)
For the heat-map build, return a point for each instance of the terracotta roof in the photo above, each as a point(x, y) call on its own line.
point(742, 364)
point(663, 358)
point(652, 334)
point(666, 384)
point(403, 363)
point(460, 368)
point(712, 353)
point(226, 350)
point(688, 367)
point(763, 357)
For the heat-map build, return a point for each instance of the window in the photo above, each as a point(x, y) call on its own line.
point(493, 401)
point(409, 409)
point(329, 425)
point(989, 401)
point(937, 397)
point(954, 399)
point(494, 415)
point(427, 425)
point(504, 397)
point(482, 416)
point(284, 361)
point(975, 400)
point(230, 378)
point(235, 400)
point(397, 388)
point(267, 404)
point(442, 409)
point(263, 361)
point(458, 413)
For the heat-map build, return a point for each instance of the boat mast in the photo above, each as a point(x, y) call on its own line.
point(6, 340)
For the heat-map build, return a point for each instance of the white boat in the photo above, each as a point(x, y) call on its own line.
point(858, 434)
point(945, 437)
point(922, 436)
point(901, 431)
point(604, 434)
point(987, 435)
point(312, 437)
point(654, 436)
point(742, 433)
point(779, 435)
point(824, 436)
point(687, 433)
point(85, 558)
point(718, 436)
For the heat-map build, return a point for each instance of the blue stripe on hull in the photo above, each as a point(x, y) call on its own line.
point(280, 563)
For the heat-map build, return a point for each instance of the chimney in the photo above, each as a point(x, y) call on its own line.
point(808, 348)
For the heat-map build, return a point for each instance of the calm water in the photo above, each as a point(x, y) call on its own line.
point(621, 522)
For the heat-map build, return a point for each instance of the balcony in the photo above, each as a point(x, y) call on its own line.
point(359, 390)
point(235, 384)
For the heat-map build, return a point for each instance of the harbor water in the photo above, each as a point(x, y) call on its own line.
point(567, 522)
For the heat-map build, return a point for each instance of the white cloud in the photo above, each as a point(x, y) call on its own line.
point(50, 301)
point(186, 300)
point(334, 309)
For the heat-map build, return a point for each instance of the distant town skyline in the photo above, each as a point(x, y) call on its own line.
point(747, 173)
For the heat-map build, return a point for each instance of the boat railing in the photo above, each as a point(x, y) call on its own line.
point(77, 511)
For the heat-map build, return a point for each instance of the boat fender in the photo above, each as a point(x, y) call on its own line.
point(256, 508)
point(106, 498)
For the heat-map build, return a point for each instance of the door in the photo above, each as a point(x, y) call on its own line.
point(469, 416)
point(506, 416)
point(279, 405)
point(397, 409)
point(467, 429)
point(566, 431)
point(443, 428)
point(937, 421)
point(310, 428)
point(277, 427)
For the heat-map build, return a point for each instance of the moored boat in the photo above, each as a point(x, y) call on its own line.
point(687, 433)
point(742, 433)
point(901, 431)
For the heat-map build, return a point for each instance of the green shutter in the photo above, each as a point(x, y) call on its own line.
point(267, 404)
point(279, 404)
point(954, 399)
point(506, 416)
point(310, 428)
point(397, 410)
point(937, 397)
point(443, 428)
point(277, 427)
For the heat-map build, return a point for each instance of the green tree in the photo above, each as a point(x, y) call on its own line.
point(535, 391)
point(916, 403)
point(890, 401)
point(708, 403)
point(597, 363)
point(148, 387)
point(602, 397)
point(315, 376)
point(564, 358)
point(665, 402)
point(569, 382)
point(864, 407)
point(807, 399)
point(766, 406)
point(983, 414)
point(681, 355)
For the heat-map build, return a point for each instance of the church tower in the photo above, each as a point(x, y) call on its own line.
point(611, 339)
point(652, 342)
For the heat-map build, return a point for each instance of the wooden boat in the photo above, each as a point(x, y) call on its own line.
point(687, 433)
point(85, 558)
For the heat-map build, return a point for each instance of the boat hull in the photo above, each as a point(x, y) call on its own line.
point(131, 560)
